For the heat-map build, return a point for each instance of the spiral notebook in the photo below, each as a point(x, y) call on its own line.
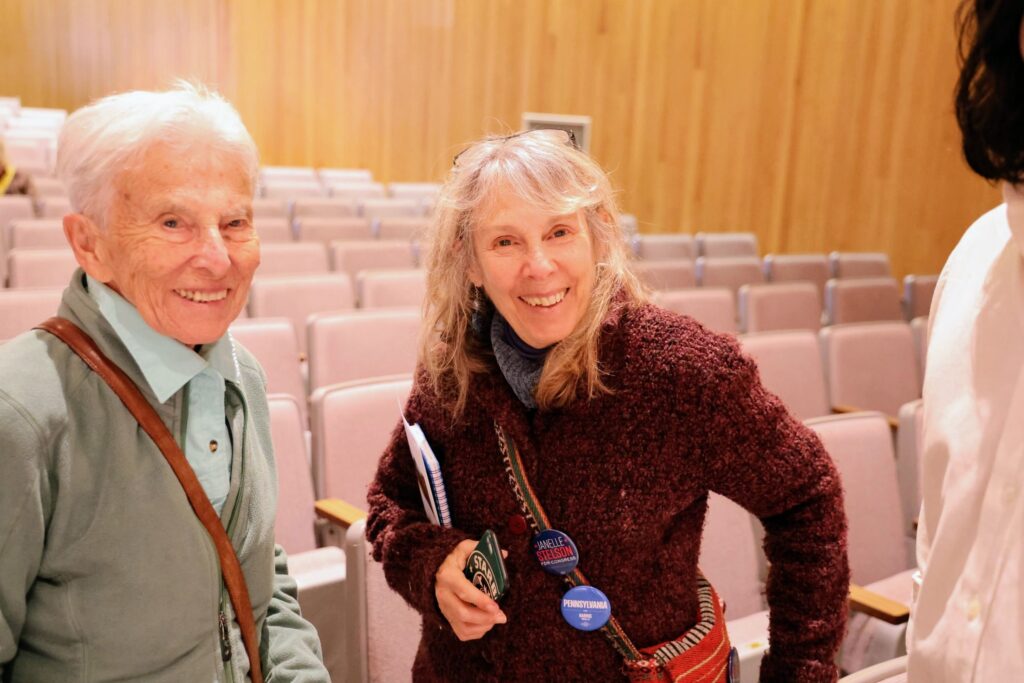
point(428, 474)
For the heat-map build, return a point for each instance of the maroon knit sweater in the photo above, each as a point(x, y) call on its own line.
point(627, 476)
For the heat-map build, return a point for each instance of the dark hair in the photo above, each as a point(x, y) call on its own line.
point(990, 90)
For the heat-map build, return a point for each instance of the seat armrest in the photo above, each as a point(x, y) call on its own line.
point(837, 409)
point(338, 512)
point(878, 606)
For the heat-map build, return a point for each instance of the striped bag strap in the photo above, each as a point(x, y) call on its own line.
point(538, 521)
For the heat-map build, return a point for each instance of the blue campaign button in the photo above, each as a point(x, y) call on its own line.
point(555, 551)
point(586, 608)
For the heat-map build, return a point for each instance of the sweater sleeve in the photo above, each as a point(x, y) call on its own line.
point(407, 544)
point(764, 459)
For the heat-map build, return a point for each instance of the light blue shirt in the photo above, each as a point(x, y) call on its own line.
point(168, 365)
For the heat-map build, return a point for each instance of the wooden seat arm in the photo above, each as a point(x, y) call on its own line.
point(338, 512)
point(877, 606)
point(894, 424)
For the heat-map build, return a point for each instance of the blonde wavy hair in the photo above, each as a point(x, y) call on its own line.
point(544, 170)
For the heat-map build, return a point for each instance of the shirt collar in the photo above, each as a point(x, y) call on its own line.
point(166, 363)
point(1014, 197)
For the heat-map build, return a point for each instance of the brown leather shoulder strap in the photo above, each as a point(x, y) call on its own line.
point(83, 345)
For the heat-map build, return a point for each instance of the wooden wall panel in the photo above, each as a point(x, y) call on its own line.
point(819, 124)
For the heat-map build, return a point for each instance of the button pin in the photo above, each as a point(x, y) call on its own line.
point(213, 445)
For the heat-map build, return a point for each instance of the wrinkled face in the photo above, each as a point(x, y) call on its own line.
point(538, 269)
point(179, 242)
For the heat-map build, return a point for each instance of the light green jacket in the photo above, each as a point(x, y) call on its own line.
point(105, 572)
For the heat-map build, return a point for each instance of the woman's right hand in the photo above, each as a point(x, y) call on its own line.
point(468, 609)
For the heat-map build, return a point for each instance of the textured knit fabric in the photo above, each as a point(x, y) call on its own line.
point(106, 574)
point(520, 363)
point(968, 621)
point(627, 476)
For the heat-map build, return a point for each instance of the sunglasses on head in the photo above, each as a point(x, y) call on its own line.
point(563, 136)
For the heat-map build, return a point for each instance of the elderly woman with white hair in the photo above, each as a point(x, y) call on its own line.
point(138, 491)
point(586, 428)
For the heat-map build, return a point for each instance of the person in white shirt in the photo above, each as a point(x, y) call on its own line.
point(968, 618)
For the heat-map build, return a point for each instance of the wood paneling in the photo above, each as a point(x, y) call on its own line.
point(818, 124)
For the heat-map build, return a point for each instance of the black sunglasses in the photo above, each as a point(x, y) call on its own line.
point(568, 137)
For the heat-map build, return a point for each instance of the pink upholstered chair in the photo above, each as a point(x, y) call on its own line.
point(889, 671)
point(859, 300)
point(319, 572)
point(870, 366)
point(15, 207)
point(353, 256)
point(22, 309)
point(798, 268)
point(419, 191)
point(274, 343)
point(391, 288)
point(355, 190)
point(326, 230)
point(345, 175)
point(292, 189)
point(779, 306)
point(270, 208)
point(861, 447)
point(729, 271)
point(919, 328)
point(362, 345)
point(713, 307)
point(402, 228)
point(384, 632)
point(297, 297)
point(54, 207)
point(273, 230)
point(917, 295)
point(391, 208)
point(908, 465)
point(299, 258)
point(789, 363)
point(286, 174)
point(668, 274)
point(731, 559)
point(40, 267)
point(41, 233)
point(851, 264)
point(323, 207)
point(727, 244)
point(668, 246)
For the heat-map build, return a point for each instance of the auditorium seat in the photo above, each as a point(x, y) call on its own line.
point(731, 559)
point(54, 207)
point(40, 267)
point(919, 328)
point(298, 258)
point(853, 264)
point(15, 207)
point(664, 275)
point(713, 307)
point(297, 297)
point(727, 244)
point(320, 573)
point(273, 230)
point(421, 192)
point(861, 448)
point(352, 423)
point(40, 233)
point(48, 187)
point(22, 309)
point(384, 632)
point(391, 288)
point(908, 465)
point(353, 256)
point(348, 175)
point(276, 346)
point(326, 230)
point(889, 671)
point(917, 295)
point(275, 174)
point(362, 344)
point(323, 207)
point(356, 191)
point(408, 229)
point(729, 271)
point(391, 208)
point(862, 300)
point(870, 366)
point(663, 247)
point(798, 267)
point(270, 208)
point(292, 189)
point(789, 363)
point(779, 306)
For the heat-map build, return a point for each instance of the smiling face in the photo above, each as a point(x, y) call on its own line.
point(179, 242)
point(536, 268)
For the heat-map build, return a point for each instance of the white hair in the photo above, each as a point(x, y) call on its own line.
point(108, 136)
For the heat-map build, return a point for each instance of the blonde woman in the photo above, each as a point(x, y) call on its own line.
point(540, 354)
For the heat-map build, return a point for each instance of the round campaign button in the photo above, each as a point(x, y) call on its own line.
point(555, 551)
point(586, 608)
